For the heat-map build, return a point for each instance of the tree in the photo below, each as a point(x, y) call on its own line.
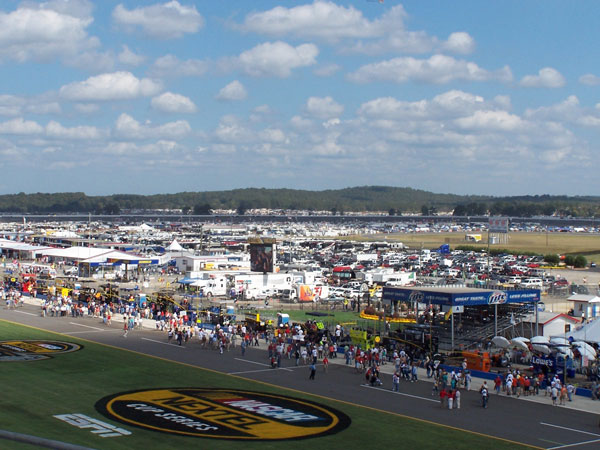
point(185, 210)
point(242, 208)
point(205, 210)
point(580, 262)
point(569, 260)
point(392, 212)
point(552, 259)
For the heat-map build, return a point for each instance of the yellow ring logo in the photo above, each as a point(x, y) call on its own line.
point(223, 414)
point(30, 350)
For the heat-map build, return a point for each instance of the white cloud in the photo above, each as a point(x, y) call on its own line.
point(45, 31)
point(233, 91)
point(567, 110)
point(326, 70)
point(323, 107)
point(165, 21)
point(490, 121)
point(110, 86)
point(231, 131)
point(129, 58)
point(11, 105)
point(127, 127)
point(56, 130)
point(86, 108)
point(173, 103)
point(459, 42)
point(43, 108)
point(546, 78)
point(589, 79)
point(317, 20)
point(276, 59)
point(273, 136)
point(438, 69)
point(20, 126)
point(171, 66)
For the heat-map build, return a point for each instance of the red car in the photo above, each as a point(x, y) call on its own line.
point(561, 282)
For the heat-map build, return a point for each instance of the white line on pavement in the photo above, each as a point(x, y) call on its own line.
point(160, 342)
point(260, 364)
point(256, 371)
point(400, 393)
point(85, 326)
point(29, 314)
point(574, 445)
point(569, 429)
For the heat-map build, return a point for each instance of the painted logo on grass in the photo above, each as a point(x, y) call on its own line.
point(15, 351)
point(223, 414)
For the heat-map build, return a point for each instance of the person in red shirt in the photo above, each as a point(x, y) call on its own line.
point(443, 397)
point(498, 384)
point(325, 364)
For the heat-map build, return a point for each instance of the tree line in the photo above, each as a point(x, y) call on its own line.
point(368, 199)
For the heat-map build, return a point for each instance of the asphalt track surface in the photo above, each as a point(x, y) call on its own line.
point(530, 423)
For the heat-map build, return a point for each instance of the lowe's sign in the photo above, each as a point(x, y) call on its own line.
point(458, 297)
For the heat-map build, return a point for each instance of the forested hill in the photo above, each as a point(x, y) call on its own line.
point(391, 200)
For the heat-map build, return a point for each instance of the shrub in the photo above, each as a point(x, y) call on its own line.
point(580, 261)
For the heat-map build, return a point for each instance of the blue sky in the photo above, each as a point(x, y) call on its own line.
point(149, 97)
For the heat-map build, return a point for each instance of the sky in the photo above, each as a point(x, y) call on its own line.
point(149, 97)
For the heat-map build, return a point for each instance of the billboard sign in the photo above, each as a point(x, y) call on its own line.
point(456, 298)
point(498, 225)
point(262, 258)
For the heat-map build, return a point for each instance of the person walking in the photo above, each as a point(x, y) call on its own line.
point(395, 382)
point(325, 364)
point(457, 399)
point(313, 371)
point(125, 329)
point(484, 394)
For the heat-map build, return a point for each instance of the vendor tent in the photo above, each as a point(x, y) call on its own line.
point(590, 332)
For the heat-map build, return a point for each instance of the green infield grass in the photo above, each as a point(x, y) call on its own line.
point(70, 383)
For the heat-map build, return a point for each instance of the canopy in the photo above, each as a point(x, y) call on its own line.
point(590, 332)
point(500, 341)
point(543, 340)
point(175, 246)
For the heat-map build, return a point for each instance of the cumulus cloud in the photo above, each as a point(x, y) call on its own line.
point(173, 103)
point(317, 20)
point(56, 130)
point(438, 69)
point(323, 107)
point(20, 126)
point(12, 105)
point(325, 20)
point(47, 31)
point(490, 121)
point(171, 66)
point(546, 78)
point(233, 91)
point(459, 42)
point(110, 86)
point(127, 127)
point(164, 21)
point(276, 59)
point(589, 79)
point(129, 58)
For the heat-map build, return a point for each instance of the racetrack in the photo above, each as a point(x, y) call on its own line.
point(520, 421)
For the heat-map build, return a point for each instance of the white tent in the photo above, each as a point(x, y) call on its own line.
point(174, 246)
point(590, 332)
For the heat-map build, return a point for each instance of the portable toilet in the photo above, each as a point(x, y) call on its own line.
point(282, 319)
